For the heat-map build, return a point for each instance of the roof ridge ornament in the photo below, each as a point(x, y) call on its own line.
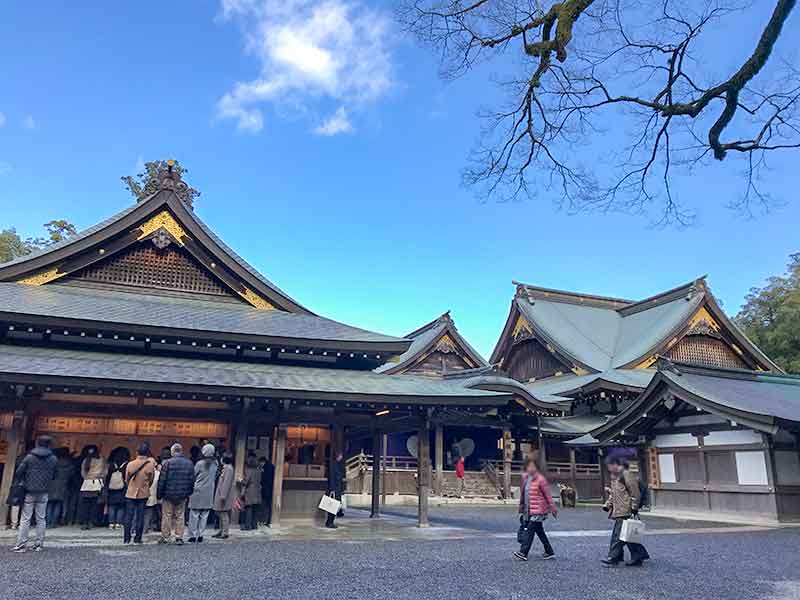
point(169, 178)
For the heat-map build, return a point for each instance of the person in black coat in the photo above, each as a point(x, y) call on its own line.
point(335, 485)
point(267, 481)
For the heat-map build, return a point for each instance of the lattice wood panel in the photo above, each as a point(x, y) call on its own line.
point(144, 265)
point(705, 350)
point(530, 359)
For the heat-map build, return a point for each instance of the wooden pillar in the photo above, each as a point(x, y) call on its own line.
point(423, 472)
point(572, 471)
point(240, 442)
point(542, 451)
point(439, 458)
point(277, 481)
point(384, 450)
point(507, 458)
point(601, 460)
point(15, 437)
point(376, 474)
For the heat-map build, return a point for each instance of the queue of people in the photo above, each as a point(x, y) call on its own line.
point(168, 493)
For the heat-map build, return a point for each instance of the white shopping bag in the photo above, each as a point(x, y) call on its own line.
point(330, 505)
point(632, 531)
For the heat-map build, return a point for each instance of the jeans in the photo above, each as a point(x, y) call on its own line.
point(250, 520)
point(536, 529)
point(33, 503)
point(54, 508)
point(198, 519)
point(134, 518)
point(330, 517)
point(616, 549)
point(152, 518)
point(172, 518)
point(116, 514)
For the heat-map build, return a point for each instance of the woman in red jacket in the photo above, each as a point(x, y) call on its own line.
point(535, 504)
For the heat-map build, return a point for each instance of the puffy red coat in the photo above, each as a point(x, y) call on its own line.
point(460, 468)
point(540, 501)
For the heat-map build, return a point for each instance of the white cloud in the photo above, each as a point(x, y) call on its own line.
point(2, 119)
point(5, 168)
point(309, 51)
point(339, 122)
point(29, 123)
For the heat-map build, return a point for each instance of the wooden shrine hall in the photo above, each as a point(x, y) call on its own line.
point(147, 326)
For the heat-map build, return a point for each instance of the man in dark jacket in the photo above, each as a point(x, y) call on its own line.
point(35, 473)
point(175, 485)
point(335, 485)
point(267, 481)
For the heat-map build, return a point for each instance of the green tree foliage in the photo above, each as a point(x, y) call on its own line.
point(13, 246)
point(771, 317)
point(137, 184)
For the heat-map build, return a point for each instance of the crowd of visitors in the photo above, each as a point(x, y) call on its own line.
point(167, 493)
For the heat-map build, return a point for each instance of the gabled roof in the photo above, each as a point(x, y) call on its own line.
point(571, 385)
point(595, 333)
point(30, 286)
point(750, 398)
point(162, 209)
point(430, 337)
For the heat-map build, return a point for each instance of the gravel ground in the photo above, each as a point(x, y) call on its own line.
point(707, 566)
point(502, 519)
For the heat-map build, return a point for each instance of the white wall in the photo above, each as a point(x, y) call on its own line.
point(666, 468)
point(737, 436)
point(675, 440)
point(751, 468)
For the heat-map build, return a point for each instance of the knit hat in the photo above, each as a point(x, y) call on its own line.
point(207, 450)
point(176, 449)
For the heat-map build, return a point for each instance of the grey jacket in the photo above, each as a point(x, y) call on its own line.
point(205, 474)
point(226, 491)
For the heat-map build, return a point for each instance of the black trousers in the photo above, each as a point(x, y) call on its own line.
point(330, 518)
point(616, 549)
point(134, 518)
point(250, 520)
point(88, 510)
point(536, 529)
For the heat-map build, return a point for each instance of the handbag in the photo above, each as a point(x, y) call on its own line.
point(632, 531)
point(92, 485)
point(524, 530)
point(330, 504)
point(16, 495)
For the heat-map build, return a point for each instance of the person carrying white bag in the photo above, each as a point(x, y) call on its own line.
point(624, 500)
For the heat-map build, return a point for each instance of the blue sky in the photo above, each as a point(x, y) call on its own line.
point(342, 185)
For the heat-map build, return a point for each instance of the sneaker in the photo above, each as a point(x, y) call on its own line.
point(126, 541)
point(520, 556)
point(38, 548)
point(217, 535)
point(224, 537)
point(19, 548)
point(163, 541)
point(178, 541)
point(191, 540)
point(137, 541)
point(549, 556)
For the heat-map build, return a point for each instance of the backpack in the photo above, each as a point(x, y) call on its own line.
point(116, 482)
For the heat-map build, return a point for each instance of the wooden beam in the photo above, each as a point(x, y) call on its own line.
point(384, 451)
point(376, 474)
point(439, 458)
point(16, 435)
point(277, 482)
point(423, 473)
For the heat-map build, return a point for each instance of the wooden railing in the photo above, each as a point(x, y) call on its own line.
point(358, 464)
point(554, 468)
